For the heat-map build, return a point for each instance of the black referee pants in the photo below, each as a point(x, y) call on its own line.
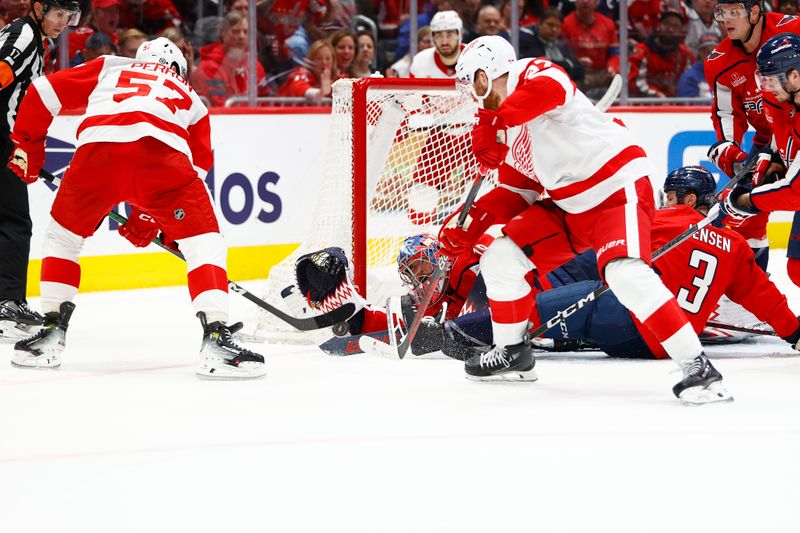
point(15, 231)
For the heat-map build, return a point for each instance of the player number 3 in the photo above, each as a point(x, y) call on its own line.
point(700, 283)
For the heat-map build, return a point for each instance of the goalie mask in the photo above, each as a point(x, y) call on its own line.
point(416, 262)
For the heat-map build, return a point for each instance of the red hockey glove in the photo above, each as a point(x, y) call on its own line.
point(727, 156)
point(489, 152)
point(728, 211)
point(26, 159)
point(456, 240)
point(140, 228)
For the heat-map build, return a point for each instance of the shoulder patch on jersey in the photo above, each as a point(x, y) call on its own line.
point(785, 20)
point(714, 55)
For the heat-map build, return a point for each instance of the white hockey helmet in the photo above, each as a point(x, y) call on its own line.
point(491, 54)
point(446, 20)
point(164, 51)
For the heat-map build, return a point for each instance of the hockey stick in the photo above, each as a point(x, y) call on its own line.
point(743, 329)
point(611, 93)
point(324, 320)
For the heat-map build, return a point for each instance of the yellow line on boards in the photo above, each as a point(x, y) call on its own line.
point(161, 269)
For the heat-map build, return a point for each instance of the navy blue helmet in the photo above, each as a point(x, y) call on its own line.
point(779, 55)
point(694, 179)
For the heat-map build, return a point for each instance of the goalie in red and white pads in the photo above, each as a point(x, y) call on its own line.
point(598, 179)
point(144, 139)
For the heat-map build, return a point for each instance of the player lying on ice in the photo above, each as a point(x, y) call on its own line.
point(144, 139)
point(698, 272)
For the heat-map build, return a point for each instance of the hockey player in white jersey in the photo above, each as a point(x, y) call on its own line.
point(541, 132)
point(144, 139)
point(440, 61)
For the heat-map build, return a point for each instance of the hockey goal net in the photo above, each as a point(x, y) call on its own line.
point(398, 161)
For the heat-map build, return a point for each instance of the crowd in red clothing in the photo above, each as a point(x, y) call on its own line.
point(305, 45)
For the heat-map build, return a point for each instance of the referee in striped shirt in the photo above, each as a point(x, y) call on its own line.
point(21, 62)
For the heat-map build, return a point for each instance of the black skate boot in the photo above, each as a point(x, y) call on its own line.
point(17, 320)
point(509, 363)
point(43, 350)
point(701, 382)
point(221, 358)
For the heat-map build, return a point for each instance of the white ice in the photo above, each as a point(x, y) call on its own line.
point(124, 438)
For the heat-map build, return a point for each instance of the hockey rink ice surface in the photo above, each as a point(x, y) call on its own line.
point(125, 438)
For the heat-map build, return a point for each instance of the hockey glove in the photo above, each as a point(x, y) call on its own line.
point(26, 159)
point(727, 156)
point(326, 281)
point(761, 168)
point(140, 229)
point(456, 240)
point(489, 152)
point(728, 211)
point(794, 338)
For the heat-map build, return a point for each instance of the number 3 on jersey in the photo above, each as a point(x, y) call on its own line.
point(698, 260)
point(130, 79)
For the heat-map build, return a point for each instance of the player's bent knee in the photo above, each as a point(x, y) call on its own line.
point(636, 286)
point(503, 260)
point(61, 242)
point(208, 248)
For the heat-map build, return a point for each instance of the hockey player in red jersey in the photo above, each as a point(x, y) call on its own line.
point(779, 75)
point(730, 73)
point(599, 181)
point(143, 113)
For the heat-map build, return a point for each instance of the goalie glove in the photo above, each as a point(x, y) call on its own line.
point(325, 279)
point(727, 156)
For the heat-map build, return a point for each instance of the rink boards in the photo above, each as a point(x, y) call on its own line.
point(268, 164)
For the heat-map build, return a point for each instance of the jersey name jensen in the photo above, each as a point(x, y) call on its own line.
point(714, 239)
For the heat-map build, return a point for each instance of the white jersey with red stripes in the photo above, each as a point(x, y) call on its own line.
point(428, 64)
point(579, 154)
point(124, 100)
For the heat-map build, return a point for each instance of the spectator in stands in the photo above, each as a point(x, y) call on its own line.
point(362, 64)
point(391, 12)
point(344, 44)
point(13, 9)
point(278, 20)
point(150, 16)
point(184, 45)
point(593, 38)
point(701, 23)
point(222, 71)
point(656, 65)
point(98, 44)
point(546, 41)
point(314, 81)
point(242, 6)
point(129, 42)
point(787, 7)
point(490, 22)
point(530, 12)
point(400, 68)
point(642, 19)
point(693, 82)
point(103, 18)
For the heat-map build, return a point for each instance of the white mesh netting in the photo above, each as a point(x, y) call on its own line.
point(417, 164)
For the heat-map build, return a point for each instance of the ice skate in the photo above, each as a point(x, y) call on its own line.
point(43, 350)
point(701, 383)
point(17, 320)
point(509, 363)
point(221, 358)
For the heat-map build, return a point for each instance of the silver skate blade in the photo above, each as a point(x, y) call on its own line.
point(36, 367)
point(514, 376)
point(215, 369)
point(714, 393)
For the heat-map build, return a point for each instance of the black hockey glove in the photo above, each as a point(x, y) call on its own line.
point(794, 338)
